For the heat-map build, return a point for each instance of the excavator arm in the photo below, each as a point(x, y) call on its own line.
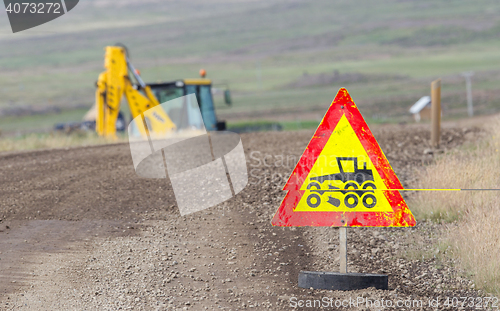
point(112, 84)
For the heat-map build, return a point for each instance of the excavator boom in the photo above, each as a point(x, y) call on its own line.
point(112, 84)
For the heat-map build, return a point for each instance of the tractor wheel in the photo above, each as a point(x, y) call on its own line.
point(351, 184)
point(371, 185)
point(351, 196)
point(314, 184)
point(317, 200)
point(373, 199)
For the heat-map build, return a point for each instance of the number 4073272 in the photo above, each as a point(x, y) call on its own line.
point(34, 8)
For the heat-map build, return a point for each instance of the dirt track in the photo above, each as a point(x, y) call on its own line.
point(79, 230)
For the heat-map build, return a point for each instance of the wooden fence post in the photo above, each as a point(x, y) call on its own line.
point(436, 112)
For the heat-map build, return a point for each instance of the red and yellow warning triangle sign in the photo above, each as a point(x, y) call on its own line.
point(343, 178)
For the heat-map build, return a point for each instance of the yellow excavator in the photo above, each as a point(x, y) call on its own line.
point(116, 81)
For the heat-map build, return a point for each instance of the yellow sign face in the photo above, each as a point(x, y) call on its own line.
point(343, 178)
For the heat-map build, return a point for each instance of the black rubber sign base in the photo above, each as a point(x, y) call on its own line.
point(342, 281)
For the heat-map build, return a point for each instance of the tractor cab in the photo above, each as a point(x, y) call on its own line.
point(180, 111)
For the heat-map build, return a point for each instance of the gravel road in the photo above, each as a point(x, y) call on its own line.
point(80, 231)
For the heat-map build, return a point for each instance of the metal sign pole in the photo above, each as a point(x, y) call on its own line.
point(343, 249)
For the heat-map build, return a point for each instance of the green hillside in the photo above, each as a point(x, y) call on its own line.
point(276, 55)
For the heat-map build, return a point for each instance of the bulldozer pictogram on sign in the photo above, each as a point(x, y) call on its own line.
point(343, 178)
point(358, 185)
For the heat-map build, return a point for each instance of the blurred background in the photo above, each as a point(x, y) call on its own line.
point(284, 61)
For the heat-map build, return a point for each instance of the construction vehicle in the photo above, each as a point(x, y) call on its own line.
point(351, 189)
point(121, 78)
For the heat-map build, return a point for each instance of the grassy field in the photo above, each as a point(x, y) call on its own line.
point(471, 216)
point(276, 56)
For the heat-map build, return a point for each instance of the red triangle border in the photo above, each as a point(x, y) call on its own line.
point(285, 216)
